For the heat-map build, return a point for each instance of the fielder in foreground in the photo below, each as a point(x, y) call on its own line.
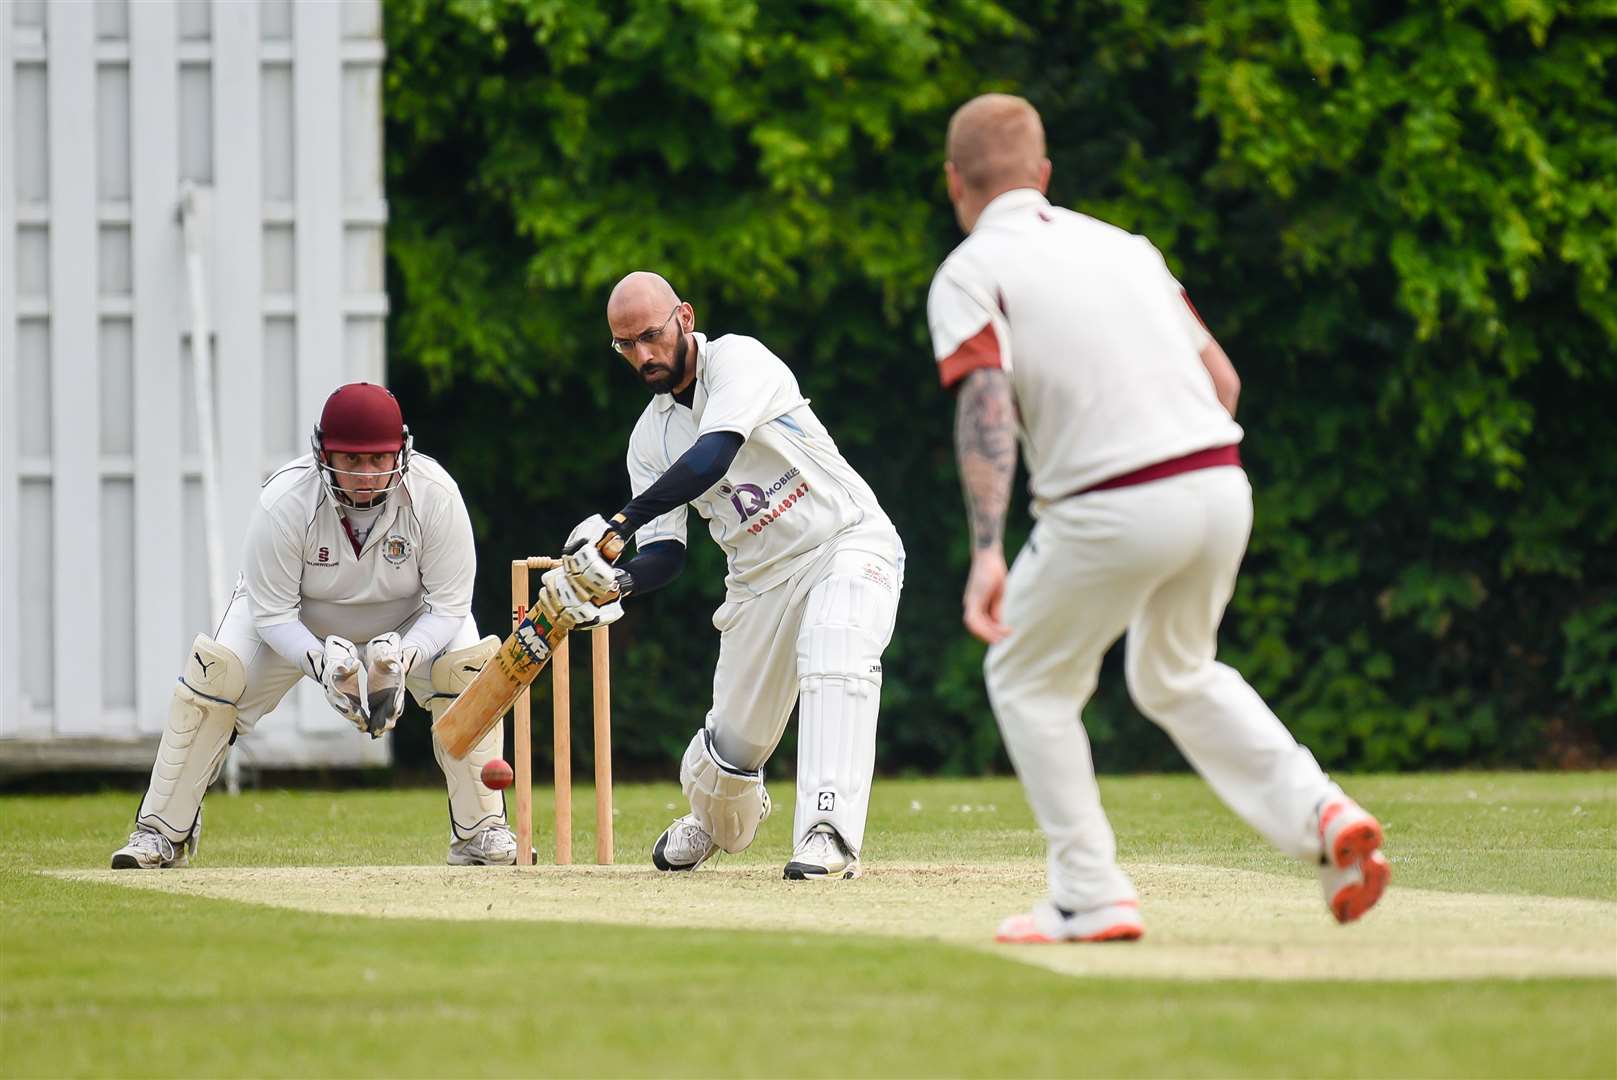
point(1073, 335)
point(362, 540)
point(815, 570)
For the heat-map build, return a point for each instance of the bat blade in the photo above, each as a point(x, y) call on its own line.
point(480, 706)
point(513, 669)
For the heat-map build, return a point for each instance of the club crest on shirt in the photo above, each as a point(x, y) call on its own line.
point(395, 549)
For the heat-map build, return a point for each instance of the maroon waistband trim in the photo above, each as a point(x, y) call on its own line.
point(1200, 459)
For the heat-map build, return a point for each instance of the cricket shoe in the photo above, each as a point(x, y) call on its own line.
point(1047, 924)
point(1353, 873)
point(493, 846)
point(684, 845)
point(821, 857)
point(148, 850)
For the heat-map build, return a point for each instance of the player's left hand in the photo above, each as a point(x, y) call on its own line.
point(985, 596)
point(387, 664)
point(587, 569)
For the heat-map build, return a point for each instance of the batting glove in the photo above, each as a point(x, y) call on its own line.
point(588, 570)
point(573, 610)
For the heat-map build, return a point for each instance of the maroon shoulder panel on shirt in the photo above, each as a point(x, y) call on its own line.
point(1186, 294)
point(981, 350)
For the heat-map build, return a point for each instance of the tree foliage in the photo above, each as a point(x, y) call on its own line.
point(1399, 220)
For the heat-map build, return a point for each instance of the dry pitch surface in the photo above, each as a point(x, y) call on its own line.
point(1201, 922)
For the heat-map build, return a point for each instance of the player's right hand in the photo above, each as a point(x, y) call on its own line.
point(339, 677)
point(558, 601)
point(574, 610)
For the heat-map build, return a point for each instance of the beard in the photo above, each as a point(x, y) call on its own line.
point(660, 379)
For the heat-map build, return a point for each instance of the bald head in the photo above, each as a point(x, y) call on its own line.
point(650, 329)
point(638, 295)
point(996, 143)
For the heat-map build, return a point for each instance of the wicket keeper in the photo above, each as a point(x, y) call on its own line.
point(361, 540)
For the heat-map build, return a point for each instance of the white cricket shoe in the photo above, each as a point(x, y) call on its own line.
point(148, 850)
point(1353, 873)
point(684, 845)
point(494, 846)
point(1047, 924)
point(821, 857)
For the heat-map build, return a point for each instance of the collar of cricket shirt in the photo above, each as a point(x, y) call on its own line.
point(1009, 202)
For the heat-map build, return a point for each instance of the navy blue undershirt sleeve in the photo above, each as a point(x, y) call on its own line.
point(652, 567)
point(697, 469)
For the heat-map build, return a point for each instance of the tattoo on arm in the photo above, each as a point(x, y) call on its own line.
point(985, 446)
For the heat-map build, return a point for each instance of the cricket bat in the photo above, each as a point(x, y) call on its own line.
point(521, 658)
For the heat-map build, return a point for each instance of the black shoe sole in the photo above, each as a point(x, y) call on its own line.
point(661, 862)
point(796, 871)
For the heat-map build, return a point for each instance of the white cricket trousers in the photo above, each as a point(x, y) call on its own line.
point(814, 641)
point(1158, 560)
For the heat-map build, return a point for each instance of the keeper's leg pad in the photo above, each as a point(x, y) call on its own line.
point(839, 646)
point(201, 724)
point(472, 806)
point(729, 803)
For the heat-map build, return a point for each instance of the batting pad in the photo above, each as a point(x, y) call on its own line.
point(196, 737)
point(840, 642)
point(472, 806)
point(728, 802)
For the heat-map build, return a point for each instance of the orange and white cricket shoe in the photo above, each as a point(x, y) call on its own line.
point(1352, 872)
point(1047, 924)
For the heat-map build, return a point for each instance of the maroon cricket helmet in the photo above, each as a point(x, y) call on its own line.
point(361, 418)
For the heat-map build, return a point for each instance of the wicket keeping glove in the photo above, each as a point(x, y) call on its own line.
point(339, 677)
point(387, 664)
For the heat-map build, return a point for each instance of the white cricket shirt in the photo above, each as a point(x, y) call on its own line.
point(789, 490)
point(300, 563)
point(1101, 345)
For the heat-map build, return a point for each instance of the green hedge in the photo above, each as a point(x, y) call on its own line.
point(1400, 223)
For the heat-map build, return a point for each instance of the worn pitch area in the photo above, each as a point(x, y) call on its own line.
point(1201, 922)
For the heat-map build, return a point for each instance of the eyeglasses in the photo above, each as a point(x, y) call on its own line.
point(623, 345)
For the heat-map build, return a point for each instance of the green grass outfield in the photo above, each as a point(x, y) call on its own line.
point(252, 969)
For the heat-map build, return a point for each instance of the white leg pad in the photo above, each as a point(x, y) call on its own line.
point(201, 721)
point(472, 806)
point(840, 645)
point(729, 803)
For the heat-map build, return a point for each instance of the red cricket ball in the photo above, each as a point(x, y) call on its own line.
point(497, 775)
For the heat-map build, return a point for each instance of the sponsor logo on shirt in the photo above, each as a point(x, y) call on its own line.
point(751, 500)
point(322, 557)
point(395, 549)
point(769, 517)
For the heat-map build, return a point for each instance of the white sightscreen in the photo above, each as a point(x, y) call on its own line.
point(105, 108)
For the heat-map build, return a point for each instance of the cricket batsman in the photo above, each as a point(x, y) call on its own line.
point(815, 570)
point(361, 541)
